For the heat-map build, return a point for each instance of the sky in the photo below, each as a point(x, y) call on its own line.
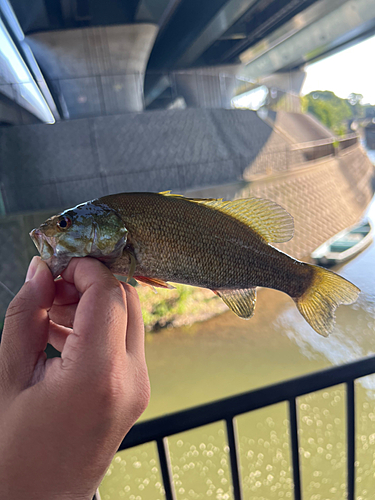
point(351, 70)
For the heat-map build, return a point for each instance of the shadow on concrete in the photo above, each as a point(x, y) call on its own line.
point(44, 166)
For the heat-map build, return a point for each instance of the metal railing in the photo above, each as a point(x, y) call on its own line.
point(227, 410)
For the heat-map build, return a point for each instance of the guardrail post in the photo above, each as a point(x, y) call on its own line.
point(350, 423)
point(234, 459)
point(166, 470)
point(295, 451)
point(287, 159)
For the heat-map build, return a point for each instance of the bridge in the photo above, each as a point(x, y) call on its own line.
point(68, 59)
point(101, 97)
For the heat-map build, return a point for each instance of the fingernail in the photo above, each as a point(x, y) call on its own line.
point(32, 269)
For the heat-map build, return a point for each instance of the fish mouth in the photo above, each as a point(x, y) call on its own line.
point(42, 244)
point(56, 263)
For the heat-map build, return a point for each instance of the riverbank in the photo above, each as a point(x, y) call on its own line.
point(182, 306)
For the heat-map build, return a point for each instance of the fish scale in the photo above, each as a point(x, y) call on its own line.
point(193, 244)
point(216, 244)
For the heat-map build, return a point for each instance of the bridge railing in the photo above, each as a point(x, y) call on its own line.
point(297, 155)
point(314, 150)
point(159, 429)
point(317, 151)
point(348, 141)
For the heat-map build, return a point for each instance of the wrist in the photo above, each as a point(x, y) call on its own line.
point(35, 495)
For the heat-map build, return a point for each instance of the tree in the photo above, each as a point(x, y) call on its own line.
point(355, 102)
point(331, 110)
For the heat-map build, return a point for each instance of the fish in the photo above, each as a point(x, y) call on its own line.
point(225, 246)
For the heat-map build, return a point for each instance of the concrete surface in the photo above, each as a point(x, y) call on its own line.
point(95, 71)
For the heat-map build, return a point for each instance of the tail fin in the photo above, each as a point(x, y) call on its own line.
point(327, 291)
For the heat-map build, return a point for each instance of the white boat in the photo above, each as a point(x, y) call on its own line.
point(344, 245)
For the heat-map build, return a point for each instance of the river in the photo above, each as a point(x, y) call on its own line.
point(225, 356)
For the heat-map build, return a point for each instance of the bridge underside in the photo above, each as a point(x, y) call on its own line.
point(64, 59)
point(94, 67)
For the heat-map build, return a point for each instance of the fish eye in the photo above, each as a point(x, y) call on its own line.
point(64, 223)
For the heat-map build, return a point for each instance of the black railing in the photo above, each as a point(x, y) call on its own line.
point(227, 409)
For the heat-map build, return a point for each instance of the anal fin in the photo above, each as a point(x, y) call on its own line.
point(153, 282)
point(241, 302)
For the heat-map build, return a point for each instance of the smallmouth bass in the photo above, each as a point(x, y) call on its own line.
point(220, 245)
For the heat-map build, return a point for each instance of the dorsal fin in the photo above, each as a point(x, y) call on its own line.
point(265, 217)
point(196, 200)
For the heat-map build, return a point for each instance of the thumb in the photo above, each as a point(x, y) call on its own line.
point(26, 325)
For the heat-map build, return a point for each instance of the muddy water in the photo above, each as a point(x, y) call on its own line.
point(226, 356)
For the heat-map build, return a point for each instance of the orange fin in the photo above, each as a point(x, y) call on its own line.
point(148, 286)
point(153, 282)
point(241, 302)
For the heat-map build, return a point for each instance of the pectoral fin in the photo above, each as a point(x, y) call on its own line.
point(133, 264)
point(147, 285)
point(241, 302)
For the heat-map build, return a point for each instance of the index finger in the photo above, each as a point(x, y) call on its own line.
point(135, 342)
point(100, 323)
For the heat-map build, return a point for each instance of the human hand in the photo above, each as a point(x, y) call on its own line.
point(62, 419)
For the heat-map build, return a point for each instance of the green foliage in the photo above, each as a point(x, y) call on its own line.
point(355, 103)
point(333, 111)
point(182, 306)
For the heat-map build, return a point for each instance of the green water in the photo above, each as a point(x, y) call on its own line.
point(226, 356)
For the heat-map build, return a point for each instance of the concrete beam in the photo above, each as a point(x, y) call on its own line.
point(150, 11)
point(318, 30)
point(220, 24)
point(96, 71)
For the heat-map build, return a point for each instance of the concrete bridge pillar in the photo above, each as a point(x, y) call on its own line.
point(285, 88)
point(95, 71)
point(207, 87)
